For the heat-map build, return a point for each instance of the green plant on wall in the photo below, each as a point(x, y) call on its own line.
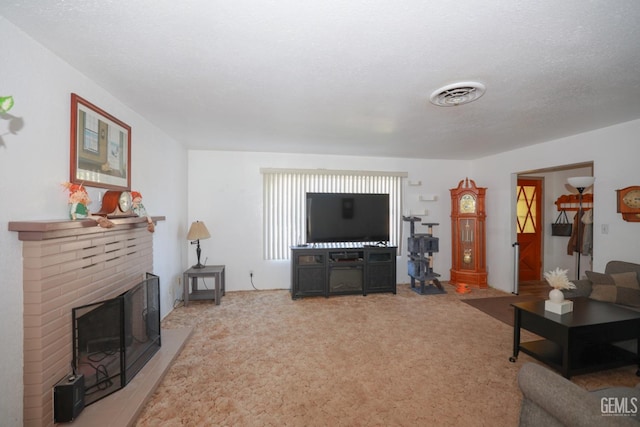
point(14, 123)
point(6, 102)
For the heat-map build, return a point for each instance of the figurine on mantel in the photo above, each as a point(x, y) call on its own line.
point(79, 201)
point(139, 209)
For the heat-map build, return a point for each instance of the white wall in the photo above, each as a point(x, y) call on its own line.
point(35, 161)
point(614, 152)
point(225, 191)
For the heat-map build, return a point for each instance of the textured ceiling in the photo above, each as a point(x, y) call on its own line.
point(353, 77)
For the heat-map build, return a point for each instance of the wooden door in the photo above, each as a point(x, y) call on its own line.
point(530, 228)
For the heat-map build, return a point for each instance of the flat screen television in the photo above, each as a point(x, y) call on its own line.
point(347, 217)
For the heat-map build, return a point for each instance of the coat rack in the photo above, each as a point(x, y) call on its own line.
point(571, 202)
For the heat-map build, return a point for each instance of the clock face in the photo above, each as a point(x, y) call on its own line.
point(467, 204)
point(632, 199)
point(116, 204)
point(124, 201)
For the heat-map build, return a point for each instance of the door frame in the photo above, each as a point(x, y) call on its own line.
point(514, 202)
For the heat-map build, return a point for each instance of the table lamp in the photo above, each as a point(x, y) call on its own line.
point(197, 232)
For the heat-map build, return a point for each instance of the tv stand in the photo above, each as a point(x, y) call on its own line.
point(337, 270)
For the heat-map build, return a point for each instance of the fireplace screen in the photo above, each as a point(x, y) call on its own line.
point(114, 339)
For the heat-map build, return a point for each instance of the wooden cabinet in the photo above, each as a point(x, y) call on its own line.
point(380, 270)
point(309, 273)
point(338, 271)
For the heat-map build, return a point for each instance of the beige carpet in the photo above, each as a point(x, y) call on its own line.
point(261, 359)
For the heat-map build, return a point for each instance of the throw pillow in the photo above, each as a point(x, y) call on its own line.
point(619, 288)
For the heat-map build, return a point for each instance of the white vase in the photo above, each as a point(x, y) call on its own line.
point(556, 295)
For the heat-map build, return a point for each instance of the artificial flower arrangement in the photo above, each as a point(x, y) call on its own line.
point(558, 279)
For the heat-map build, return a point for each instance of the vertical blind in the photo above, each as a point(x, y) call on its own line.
point(285, 197)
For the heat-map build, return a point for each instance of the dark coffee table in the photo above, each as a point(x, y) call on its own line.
point(579, 341)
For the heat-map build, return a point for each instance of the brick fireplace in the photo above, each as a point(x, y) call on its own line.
point(67, 264)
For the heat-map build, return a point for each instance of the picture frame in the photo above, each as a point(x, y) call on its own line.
point(100, 147)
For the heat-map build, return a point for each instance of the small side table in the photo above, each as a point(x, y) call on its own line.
point(192, 274)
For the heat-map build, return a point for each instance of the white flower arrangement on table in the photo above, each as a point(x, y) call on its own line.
point(558, 279)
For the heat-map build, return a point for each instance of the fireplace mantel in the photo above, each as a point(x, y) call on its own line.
point(53, 229)
point(67, 264)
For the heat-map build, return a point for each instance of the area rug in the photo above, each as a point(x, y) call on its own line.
point(500, 307)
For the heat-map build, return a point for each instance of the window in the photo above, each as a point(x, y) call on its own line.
point(526, 208)
point(284, 196)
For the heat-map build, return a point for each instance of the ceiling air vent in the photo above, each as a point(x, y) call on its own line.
point(457, 94)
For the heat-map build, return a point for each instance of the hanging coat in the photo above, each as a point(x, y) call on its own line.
point(587, 235)
point(578, 229)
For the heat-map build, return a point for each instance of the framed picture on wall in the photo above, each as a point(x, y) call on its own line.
point(100, 147)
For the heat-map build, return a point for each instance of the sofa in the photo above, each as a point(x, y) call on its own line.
point(617, 284)
point(549, 400)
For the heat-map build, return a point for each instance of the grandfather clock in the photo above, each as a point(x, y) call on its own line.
point(468, 235)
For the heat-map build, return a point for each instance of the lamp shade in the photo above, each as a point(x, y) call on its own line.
point(198, 231)
point(581, 181)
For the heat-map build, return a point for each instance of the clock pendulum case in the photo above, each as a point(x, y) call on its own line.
point(468, 235)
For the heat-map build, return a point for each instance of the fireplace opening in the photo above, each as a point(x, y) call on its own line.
point(115, 338)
